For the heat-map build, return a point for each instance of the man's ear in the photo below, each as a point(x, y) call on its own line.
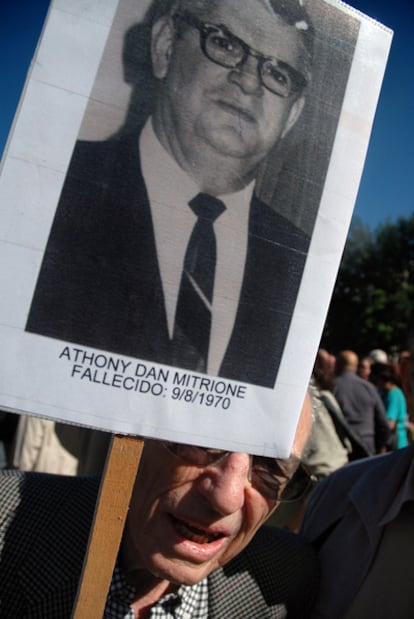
point(295, 112)
point(162, 41)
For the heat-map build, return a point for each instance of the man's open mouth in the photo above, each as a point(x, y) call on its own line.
point(198, 536)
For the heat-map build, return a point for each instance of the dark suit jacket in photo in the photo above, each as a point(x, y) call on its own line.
point(100, 285)
point(44, 528)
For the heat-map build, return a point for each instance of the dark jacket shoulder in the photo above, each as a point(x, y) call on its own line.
point(357, 483)
point(44, 528)
point(275, 576)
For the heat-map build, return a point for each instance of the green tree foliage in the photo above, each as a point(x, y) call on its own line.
point(373, 298)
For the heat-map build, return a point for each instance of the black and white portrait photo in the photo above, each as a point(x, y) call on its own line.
point(175, 197)
point(182, 237)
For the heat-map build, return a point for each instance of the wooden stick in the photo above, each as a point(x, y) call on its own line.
point(112, 505)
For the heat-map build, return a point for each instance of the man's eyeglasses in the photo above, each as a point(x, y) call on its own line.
point(277, 480)
point(227, 50)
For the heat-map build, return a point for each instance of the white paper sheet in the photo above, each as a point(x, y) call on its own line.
point(76, 89)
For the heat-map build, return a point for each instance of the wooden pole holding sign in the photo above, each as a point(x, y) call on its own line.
point(112, 505)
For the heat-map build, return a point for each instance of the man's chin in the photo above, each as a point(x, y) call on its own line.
point(182, 573)
point(232, 144)
point(229, 139)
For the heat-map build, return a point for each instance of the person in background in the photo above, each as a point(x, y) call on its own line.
point(37, 448)
point(405, 371)
point(364, 367)
point(378, 356)
point(8, 424)
point(360, 521)
point(331, 444)
point(48, 446)
point(395, 405)
point(324, 380)
point(361, 404)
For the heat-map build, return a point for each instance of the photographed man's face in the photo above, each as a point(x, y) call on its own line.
point(189, 521)
point(226, 111)
point(186, 521)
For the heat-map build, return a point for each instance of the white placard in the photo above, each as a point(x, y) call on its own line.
point(103, 361)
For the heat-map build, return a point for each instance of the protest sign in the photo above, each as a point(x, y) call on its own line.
point(94, 187)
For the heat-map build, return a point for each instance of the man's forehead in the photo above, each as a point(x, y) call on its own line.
point(259, 25)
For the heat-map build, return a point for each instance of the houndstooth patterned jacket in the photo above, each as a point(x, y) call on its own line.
point(44, 529)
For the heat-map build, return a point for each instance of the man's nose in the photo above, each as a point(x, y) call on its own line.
point(224, 484)
point(247, 77)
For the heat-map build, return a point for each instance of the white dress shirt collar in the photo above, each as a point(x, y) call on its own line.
point(169, 190)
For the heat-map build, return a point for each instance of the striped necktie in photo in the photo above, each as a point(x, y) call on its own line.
point(192, 325)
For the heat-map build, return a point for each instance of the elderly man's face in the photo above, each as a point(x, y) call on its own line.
point(189, 521)
point(185, 521)
point(226, 111)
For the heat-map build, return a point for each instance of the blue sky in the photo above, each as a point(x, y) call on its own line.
point(386, 187)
